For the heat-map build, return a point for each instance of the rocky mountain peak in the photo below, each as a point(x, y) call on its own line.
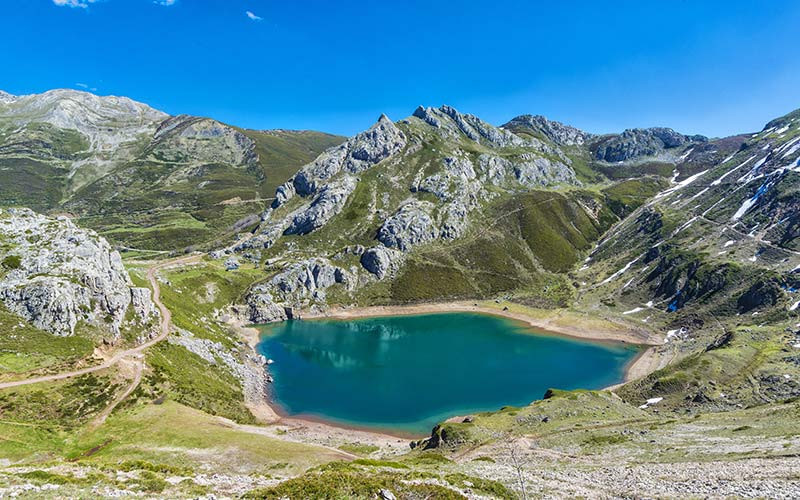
point(357, 154)
point(6, 98)
point(563, 135)
point(638, 142)
point(452, 123)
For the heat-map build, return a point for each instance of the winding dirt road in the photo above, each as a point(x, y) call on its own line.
point(166, 321)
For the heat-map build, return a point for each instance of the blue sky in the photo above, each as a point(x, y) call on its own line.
point(701, 67)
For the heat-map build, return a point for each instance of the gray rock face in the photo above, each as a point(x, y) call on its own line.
point(65, 275)
point(357, 154)
point(534, 171)
point(410, 225)
point(262, 308)
point(528, 169)
point(457, 180)
point(142, 303)
point(381, 261)
point(300, 283)
point(633, 143)
point(284, 193)
point(452, 123)
point(561, 134)
point(330, 202)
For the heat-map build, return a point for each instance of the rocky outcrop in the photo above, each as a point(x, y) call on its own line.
point(248, 367)
point(106, 121)
point(634, 143)
point(328, 203)
point(410, 225)
point(297, 285)
point(528, 169)
point(452, 123)
point(359, 153)
point(381, 261)
point(262, 307)
point(56, 275)
point(557, 132)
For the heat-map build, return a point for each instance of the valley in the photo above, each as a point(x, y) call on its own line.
point(138, 249)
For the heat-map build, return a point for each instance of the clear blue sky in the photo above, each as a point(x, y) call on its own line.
point(701, 67)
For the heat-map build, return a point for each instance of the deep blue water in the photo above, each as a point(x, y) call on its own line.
point(406, 373)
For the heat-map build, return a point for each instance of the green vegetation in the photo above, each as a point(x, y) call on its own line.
point(189, 379)
point(52, 406)
point(25, 349)
point(359, 448)
point(350, 481)
point(494, 489)
point(11, 262)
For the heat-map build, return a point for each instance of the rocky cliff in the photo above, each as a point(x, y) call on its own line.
point(57, 275)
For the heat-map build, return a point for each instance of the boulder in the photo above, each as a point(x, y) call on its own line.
point(381, 261)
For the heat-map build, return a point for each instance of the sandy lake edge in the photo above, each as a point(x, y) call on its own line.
point(312, 429)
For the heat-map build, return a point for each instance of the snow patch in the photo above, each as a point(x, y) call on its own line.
point(634, 310)
point(650, 402)
point(729, 172)
point(621, 271)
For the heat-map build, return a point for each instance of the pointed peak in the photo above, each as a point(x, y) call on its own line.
point(6, 97)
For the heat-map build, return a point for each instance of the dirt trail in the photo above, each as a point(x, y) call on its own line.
point(138, 367)
point(166, 318)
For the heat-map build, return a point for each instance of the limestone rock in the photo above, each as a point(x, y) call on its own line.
point(357, 154)
point(410, 225)
point(381, 261)
point(64, 275)
point(561, 134)
point(330, 202)
point(262, 308)
point(451, 122)
point(298, 284)
point(634, 143)
point(142, 302)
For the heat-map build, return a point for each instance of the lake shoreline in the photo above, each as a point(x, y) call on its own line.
point(548, 325)
point(318, 429)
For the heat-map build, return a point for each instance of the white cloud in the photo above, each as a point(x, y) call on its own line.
point(165, 3)
point(84, 86)
point(74, 3)
point(253, 16)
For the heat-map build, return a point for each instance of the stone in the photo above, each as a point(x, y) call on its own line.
point(381, 261)
point(328, 203)
point(411, 225)
point(563, 135)
point(231, 264)
point(635, 143)
point(65, 275)
point(357, 154)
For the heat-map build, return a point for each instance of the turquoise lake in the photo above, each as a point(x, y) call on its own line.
point(407, 373)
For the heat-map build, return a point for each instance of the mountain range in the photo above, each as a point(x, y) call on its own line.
point(688, 242)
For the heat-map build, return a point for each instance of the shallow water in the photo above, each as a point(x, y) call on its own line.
point(406, 373)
